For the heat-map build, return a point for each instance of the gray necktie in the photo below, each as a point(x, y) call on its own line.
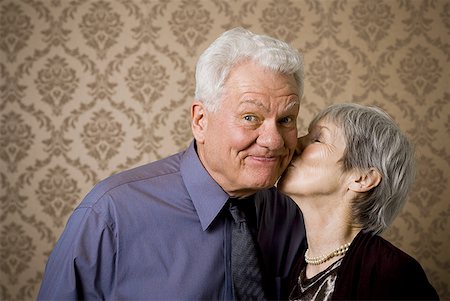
point(246, 271)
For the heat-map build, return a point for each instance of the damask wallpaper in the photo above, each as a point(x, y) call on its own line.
point(92, 87)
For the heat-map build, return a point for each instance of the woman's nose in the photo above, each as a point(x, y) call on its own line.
point(301, 144)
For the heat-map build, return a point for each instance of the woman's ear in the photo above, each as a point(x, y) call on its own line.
point(199, 121)
point(365, 180)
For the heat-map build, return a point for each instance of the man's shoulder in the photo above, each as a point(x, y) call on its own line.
point(140, 175)
point(271, 204)
point(275, 199)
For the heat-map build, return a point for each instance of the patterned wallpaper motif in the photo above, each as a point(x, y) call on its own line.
point(92, 87)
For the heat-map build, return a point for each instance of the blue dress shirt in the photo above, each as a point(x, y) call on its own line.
point(158, 232)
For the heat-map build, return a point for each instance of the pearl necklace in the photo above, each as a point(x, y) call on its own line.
point(321, 259)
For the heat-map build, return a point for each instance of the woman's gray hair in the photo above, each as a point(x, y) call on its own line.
point(236, 46)
point(373, 140)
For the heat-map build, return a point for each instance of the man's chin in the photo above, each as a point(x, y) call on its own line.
point(265, 183)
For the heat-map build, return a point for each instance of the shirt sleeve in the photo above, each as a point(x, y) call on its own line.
point(81, 266)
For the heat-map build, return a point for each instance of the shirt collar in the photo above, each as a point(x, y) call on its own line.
point(207, 196)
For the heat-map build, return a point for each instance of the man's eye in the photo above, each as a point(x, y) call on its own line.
point(249, 118)
point(285, 119)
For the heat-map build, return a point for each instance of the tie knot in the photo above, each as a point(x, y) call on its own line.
point(236, 213)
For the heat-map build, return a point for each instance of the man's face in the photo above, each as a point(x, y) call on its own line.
point(248, 142)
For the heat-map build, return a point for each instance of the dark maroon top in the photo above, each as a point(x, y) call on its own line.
point(374, 269)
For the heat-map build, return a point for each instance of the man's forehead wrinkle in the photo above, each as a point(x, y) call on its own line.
point(292, 103)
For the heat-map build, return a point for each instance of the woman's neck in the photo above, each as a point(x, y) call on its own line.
point(328, 227)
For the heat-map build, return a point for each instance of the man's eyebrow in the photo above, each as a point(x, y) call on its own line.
point(292, 104)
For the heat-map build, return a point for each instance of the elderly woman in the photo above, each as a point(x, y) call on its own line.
point(350, 178)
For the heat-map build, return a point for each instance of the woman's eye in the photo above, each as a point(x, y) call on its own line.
point(317, 139)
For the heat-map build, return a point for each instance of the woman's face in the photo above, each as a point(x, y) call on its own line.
point(316, 169)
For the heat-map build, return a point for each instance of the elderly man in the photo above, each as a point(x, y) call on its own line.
point(206, 223)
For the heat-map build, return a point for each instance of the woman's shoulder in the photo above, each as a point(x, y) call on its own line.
point(378, 247)
point(387, 269)
point(376, 250)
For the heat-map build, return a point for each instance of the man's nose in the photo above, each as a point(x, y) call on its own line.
point(271, 137)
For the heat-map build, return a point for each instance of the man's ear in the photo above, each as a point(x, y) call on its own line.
point(364, 181)
point(199, 120)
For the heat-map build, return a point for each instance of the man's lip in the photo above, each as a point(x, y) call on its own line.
point(265, 158)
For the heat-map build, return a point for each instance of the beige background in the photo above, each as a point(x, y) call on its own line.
point(89, 88)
